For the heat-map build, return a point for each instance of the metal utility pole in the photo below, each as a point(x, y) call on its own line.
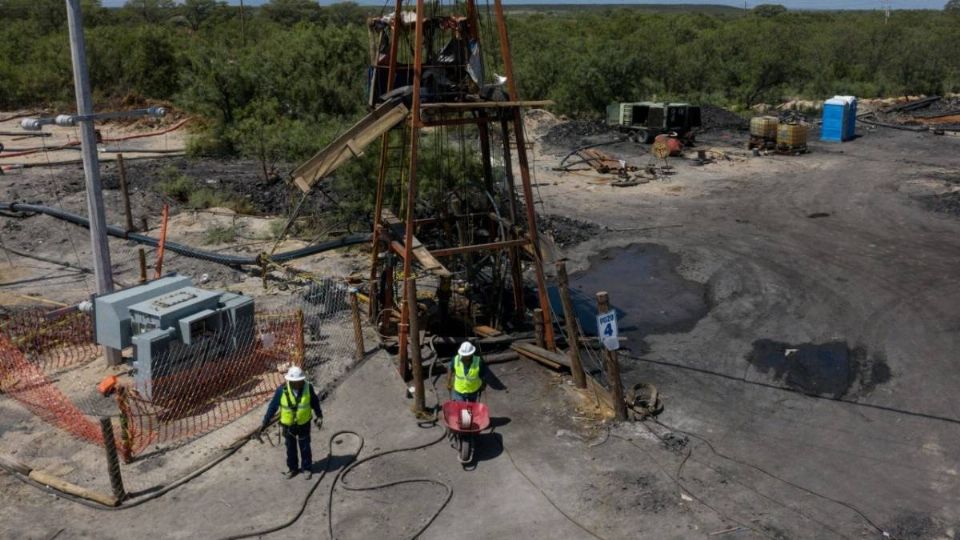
point(91, 163)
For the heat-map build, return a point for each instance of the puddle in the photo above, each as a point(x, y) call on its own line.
point(830, 369)
point(650, 296)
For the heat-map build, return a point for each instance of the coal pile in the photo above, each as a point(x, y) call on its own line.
point(239, 177)
point(939, 107)
point(566, 231)
point(576, 133)
point(719, 118)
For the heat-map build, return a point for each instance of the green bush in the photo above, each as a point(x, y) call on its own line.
point(178, 187)
point(220, 235)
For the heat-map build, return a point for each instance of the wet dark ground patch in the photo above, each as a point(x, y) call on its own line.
point(831, 369)
point(649, 294)
point(944, 203)
point(916, 526)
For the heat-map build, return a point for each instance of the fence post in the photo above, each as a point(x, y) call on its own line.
point(357, 328)
point(125, 192)
point(538, 328)
point(570, 318)
point(143, 265)
point(374, 303)
point(416, 363)
point(613, 365)
point(163, 239)
point(126, 441)
point(113, 464)
point(301, 346)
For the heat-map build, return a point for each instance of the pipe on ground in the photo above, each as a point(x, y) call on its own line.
point(188, 251)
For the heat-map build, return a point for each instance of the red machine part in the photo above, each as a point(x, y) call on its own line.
point(672, 142)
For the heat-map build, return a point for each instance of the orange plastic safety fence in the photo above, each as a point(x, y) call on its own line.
point(212, 393)
point(212, 384)
point(52, 343)
point(26, 382)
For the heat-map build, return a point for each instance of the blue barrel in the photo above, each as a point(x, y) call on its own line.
point(839, 119)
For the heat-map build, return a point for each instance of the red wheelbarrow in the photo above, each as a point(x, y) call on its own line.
point(464, 420)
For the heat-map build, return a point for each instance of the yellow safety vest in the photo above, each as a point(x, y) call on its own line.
point(301, 413)
point(466, 381)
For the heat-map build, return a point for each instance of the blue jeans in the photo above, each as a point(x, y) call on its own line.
point(456, 396)
point(298, 437)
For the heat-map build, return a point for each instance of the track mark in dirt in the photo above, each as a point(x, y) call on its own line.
point(829, 369)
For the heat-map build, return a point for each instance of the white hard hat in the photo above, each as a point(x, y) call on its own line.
point(466, 349)
point(294, 374)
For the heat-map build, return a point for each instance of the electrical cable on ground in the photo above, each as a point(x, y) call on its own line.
point(773, 476)
point(549, 500)
point(690, 493)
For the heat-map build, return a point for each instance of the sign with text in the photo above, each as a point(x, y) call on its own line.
point(607, 330)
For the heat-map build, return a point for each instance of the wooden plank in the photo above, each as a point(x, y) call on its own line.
point(545, 357)
point(486, 331)
point(420, 252)
point(60, 484)
point(350, 144)
point(12, 464)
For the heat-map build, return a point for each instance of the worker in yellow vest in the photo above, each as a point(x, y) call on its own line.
point(467, 373)
point(298, 403)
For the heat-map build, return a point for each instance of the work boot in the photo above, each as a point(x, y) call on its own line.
point(289, 474)
point(307, 474)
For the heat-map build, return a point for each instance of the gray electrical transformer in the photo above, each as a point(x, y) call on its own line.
point(164, 316)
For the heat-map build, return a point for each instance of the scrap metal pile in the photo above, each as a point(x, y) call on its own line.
point(937, 114)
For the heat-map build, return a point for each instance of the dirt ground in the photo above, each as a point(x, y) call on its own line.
point(798, 314)
point(134, 138)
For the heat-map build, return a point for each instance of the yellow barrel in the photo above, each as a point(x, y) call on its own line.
point(792, 135)
point(764, 126)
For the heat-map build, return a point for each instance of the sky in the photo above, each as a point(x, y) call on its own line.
point(791, 4)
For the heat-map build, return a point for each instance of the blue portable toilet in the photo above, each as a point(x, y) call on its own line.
point(839, 119)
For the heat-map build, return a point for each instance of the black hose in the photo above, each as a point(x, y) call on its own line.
point(306, 499)
point(345, 471)
point(341, 478)
point(187, 251)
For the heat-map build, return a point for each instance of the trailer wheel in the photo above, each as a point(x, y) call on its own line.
point(644, 137)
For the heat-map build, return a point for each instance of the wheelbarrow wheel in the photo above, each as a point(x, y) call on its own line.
point(466, 449)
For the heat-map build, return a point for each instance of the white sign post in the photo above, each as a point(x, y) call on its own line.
point(607, 330)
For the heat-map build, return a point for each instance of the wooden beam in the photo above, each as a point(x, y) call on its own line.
point(446, 252)
point(350, 144)
point(486, 104)
point(12, 464)
point(60, 484)
point(419, 251)
point(458, 121)
point(548, 358)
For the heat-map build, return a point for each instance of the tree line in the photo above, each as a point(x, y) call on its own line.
point(278, 81)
